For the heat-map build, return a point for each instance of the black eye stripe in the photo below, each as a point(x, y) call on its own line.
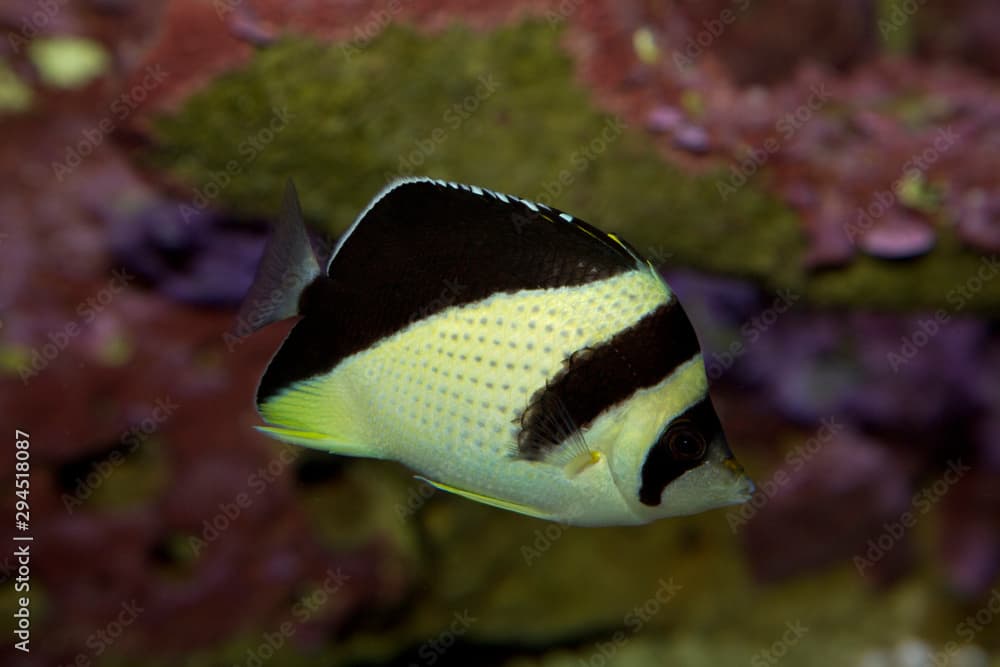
point(685, 441)
point(661, 466)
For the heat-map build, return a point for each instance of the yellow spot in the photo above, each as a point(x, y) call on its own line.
point(733, 465)
point(693, 103)
point(619, 242)
point(14, 357)
point(15, 94)
point(581, 462)
point(645, 46)
point(116, 351)
point(68, 62)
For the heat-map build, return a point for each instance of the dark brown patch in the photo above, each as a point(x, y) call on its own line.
point(424, 247)
point(596, 379)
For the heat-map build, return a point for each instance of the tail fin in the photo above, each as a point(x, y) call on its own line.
point(288, 265)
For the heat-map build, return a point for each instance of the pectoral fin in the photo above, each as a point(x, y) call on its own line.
point(489, 500)
point(581, 462)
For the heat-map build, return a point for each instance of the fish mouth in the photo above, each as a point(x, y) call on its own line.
point(744, 488)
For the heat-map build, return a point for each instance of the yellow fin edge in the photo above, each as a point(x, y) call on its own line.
point(490, 500)
point(318, 441)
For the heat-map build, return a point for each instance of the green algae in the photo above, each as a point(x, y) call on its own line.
point(573, 593)
point(13, 357)
point(949, 278)
point(895, 25)
point(15, 95)
point(500, 110)
point(343, 123)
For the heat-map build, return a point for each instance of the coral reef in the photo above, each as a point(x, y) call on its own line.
point(845, 294)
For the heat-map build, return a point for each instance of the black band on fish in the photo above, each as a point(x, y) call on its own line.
point(423, 247)
point(596, 379)
point(681, 447)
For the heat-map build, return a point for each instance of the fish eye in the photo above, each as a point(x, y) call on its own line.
point(686, 443)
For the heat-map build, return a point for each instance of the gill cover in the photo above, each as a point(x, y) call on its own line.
point(671, 457)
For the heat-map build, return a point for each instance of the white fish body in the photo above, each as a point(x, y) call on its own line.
point(449, 393)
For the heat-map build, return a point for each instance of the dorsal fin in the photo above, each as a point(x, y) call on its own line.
point(287, 267)
point(442, 229)
point(422, 246)
point(519, 213)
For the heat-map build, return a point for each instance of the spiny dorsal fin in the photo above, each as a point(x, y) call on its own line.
point(288, 265)
point(453, 224)
point(423, 245)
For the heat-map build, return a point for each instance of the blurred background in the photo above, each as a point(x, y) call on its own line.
point(818, 181)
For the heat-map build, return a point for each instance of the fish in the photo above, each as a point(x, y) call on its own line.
point(503, 350)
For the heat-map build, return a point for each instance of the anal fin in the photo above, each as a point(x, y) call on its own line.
point(490, 500)
point(319, 441)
